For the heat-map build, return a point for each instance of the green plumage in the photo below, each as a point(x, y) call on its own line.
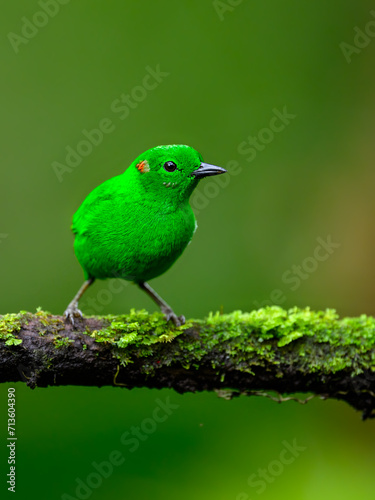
point(136, 225)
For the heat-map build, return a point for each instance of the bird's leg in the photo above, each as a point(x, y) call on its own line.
point(165, 308)
point(72, 309)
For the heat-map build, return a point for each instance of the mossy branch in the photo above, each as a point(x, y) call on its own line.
point(239, 353)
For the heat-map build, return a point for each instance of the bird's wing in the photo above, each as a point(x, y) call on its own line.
point(94, 204)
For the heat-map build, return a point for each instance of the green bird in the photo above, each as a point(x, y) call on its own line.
point(135, 225)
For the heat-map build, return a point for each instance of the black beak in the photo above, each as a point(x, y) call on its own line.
point(205, 169)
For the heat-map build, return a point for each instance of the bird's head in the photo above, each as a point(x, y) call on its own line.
point(172, 172)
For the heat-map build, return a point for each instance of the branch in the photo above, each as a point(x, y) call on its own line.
point(239, 353)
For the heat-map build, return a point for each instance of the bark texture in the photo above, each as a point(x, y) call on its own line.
point(295, 351)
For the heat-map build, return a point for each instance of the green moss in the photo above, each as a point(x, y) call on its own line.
point(43, 316)
point(13, 341)
point(137, 333)
point(10, 324)
point(139, 329)
point(310, 341)
point(48, 323)
point(62, 341)
point(271, 333)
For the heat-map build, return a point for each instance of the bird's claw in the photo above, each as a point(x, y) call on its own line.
point(71, 313)
point(170, 315)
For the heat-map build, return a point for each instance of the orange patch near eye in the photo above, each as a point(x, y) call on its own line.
point(143, 166)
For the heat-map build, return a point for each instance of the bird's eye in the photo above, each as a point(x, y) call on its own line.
point(170, 166)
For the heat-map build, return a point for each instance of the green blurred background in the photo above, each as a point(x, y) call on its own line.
point(229, 68)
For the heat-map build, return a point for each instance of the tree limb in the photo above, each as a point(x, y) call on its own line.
point(239, 353)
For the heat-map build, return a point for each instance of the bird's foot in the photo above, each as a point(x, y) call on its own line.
point(72, 312)
point(170, 315)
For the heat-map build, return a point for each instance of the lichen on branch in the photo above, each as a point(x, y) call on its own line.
point(269, 349)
